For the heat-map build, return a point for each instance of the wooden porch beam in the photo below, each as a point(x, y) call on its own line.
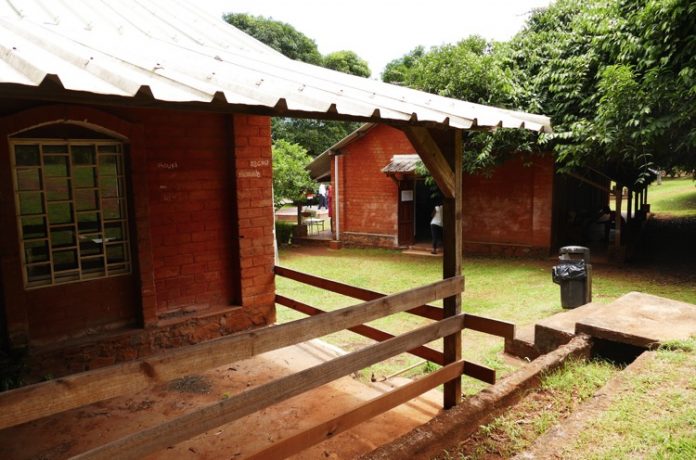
point(433, 158)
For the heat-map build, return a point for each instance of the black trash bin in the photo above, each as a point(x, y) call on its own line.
point(574, 274)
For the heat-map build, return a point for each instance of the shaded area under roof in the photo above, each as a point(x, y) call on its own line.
point(161, 52)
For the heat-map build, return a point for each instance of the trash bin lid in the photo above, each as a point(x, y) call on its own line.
point(574, 250)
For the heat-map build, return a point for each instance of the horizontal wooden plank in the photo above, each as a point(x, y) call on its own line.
point(194, 423)
point(35, 401)
point(479, 372)
point(490, 326)
point(426, 311)
point(366, 331)
point(297, 443)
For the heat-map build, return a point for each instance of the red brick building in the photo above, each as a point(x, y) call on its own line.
point(380, 201)
point(136, 173)
point(171, 229)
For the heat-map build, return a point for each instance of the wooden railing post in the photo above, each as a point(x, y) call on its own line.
point(452, 259)
point(617, 219)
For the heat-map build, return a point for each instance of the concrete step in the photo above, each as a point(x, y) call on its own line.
point(636, 319)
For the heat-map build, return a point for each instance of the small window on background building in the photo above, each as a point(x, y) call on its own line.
point(71, 210)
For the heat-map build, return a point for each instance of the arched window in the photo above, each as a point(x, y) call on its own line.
point(71, 205)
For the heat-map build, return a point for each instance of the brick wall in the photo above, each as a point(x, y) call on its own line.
point(368, 197)
point(510, 206)
point(202, 223)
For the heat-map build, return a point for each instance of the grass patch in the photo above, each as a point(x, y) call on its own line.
point(655, 417)
point(558, 395)
point(514, 290)
point(675, 197)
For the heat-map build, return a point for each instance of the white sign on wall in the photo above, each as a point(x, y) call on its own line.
point(407, 195)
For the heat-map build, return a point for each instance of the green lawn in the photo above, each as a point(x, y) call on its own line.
point(515, 290)
point(675, 197)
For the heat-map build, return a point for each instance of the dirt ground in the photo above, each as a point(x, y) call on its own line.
point(78, 430)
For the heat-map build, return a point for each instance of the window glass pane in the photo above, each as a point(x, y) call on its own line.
point(57, 189)
point(110, 148)
point(91, 245)
point(110, 186)
point(108, 165)
point(113, 209)
point(37, 273)
point(28, 179)
point(62, 237)
point(93, 266)
point(27, 155)
point(30, 203)
point(116, 253)
point(84, 155)
point(55, 148)
point(60, 213)
point(114, 231)
point(88, 222)
point(56, 166)
point(86, 200)
point(36, 251)
point(64, 260)
point(85, 177)
point(33, 227)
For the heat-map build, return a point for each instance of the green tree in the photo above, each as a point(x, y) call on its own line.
point(291, 180)
point(476, 71)
point(395, 71)
point(313, 135)
point(278, 35)
point(347, 62)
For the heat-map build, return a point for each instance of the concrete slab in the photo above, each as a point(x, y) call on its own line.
point(556, 330)
point(641, 320)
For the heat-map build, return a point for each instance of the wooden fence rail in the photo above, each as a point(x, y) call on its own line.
point(325, 430)
point(186, 426)
point(426, 311)
point(476, 371)
point(40, 400)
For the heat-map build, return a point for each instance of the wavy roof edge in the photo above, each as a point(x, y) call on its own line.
point(174, 53)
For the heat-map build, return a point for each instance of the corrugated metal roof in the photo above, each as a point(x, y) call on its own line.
point(177, 53)
point(402, 164)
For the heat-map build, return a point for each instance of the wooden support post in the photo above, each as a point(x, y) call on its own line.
point(617, 220)
point(629, 205)
point(450, 143)
point(434, 158)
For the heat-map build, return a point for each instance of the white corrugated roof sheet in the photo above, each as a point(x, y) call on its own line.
point(402, 164)
point(177, 53)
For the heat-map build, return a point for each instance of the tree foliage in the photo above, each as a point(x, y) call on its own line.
point(396, 70)
point(280, 36)
point(347, 62)
point(476, 71)
point(617, 79)
point(313, 135)
point(291, 180)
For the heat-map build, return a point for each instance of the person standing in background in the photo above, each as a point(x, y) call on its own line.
point(436, 227)
point(322, 196)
